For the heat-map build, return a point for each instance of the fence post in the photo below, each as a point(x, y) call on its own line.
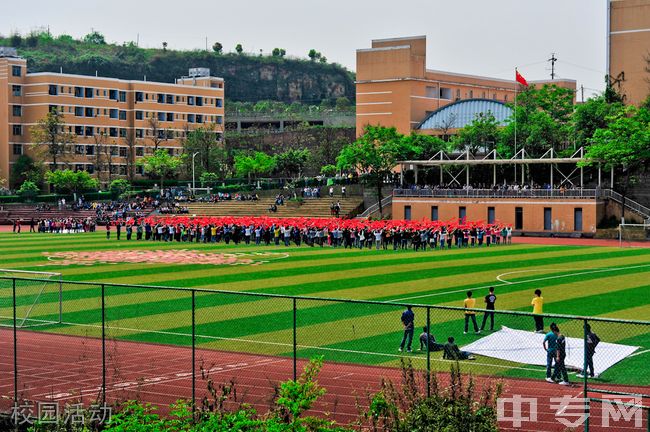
point(587, 406)
point(193, 353)
point(60, 299)
point(103, 346)
point(428, 352)
point(15, 347)
point(295, 340)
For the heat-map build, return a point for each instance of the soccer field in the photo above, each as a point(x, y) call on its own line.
point(575, 280)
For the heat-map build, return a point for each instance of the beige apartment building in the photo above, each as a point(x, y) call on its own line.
point(105, 116)
point(628, 48)
point(395, 88)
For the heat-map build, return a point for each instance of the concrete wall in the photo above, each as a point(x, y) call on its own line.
point(562, 211)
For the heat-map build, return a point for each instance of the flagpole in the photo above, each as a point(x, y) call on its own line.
point(515, 155)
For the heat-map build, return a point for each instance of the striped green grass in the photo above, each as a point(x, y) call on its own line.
point(589, 281)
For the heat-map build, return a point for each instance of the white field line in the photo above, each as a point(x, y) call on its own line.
point(290, 345)
point(599, 270)
point(639, 353)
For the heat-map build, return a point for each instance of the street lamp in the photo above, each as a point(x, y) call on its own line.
point(193, 180)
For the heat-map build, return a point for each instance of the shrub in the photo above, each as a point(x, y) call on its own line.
point(28, 190)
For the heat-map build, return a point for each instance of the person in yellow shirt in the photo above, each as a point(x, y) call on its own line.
point(538, 310)
point(470, 303)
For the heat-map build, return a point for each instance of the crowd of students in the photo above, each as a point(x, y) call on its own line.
point(345, 233)
point(56, 225)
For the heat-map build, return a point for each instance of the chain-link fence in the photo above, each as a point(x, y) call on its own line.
point(73, 342)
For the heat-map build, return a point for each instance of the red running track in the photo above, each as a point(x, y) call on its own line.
point(68, 369)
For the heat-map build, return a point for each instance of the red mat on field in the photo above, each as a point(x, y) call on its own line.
point(59, 368)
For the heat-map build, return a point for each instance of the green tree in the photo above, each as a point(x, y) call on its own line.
point(217, 47)
point(119, 186)
point(95, 38)
point(375, 154)
point(624, 143)
point(328, 170)
point(254, 165)
point(591, 116)
point(482, 132)
point(208, 179)
point(23, 169)
point(343, 103)
point(71, 181)
point(314, 55)
point(543, 120)
point(278, 52)
point(50, 136)
point(28, 190)
point(424, 146)
point(292, 162)
point(239, 49)
point(212, 155)
point(161, 164)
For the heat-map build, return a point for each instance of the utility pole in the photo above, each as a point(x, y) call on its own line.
point(552, 60)
point(582, 93)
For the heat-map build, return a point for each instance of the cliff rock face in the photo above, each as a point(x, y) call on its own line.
point(248, 78)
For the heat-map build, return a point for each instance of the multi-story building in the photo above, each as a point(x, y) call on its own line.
point(628, 38)
point(395, 88)
point(106, 118)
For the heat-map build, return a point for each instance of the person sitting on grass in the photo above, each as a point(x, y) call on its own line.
point(428, 339)
point(452, 352)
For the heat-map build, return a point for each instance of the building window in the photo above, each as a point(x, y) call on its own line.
point(219, 119)
point(112, 94)
point(79, 149)
point(494, 96)
point(53, 90)
point(112, 132)
point(519, 218)
point(190, 118)
point(407, 212)
point(139, 169)
point(170, 151)
point(79, 111)
point(90, 168)
point(112, 113)
point(79, 130)
point(139, 115)
point(199, 118)
point(89, 92)
point(471, 94)
point(457, 94)
point(577, 219)
point(16, 90)
point(199, 101)
point(123, 151)
point(161, 134)
point(16, 71)
point(169, 99)
point(78, 92)
point(170, 117)
point(139, 151)
point(139, 96)
point(78, 167)
point(483, 95)
point(491, 215)
point(161, 98)
point(54, 109)
point(161, 116)
point(113, 151)
point(434, 213)
point(17, 110)
point(445, 93)
point(462, 213)
point(139, 133)
point(219, 103)
point(90, 131)
point(122, 115)
point(122, 133)
point(18, 149)
point(90, 150)
point(17, 130)
point(90, 112)
point(548, 219)
point(122, 96)
point(190, 100)
point(505, 98)
point(169, 134)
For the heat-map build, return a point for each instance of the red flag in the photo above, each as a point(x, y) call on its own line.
point(520, 79)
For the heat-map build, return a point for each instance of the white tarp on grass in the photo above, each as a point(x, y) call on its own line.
point(526, 347)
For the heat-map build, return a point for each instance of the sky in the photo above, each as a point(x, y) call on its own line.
point(477, 37)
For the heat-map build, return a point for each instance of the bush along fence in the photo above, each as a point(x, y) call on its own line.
point(81, 342)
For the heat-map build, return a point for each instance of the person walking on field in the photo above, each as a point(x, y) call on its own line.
point(560, 373)
point(408, 321)
point(490, 299)
point(108, 231)
point(550, 346)
point(592, 341)
point(470, 303)
point(538, 310)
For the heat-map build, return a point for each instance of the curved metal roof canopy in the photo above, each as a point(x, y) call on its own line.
point(460, 114)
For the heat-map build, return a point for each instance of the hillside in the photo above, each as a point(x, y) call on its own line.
point(248, 77)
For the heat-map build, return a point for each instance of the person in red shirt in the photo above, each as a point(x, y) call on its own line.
point(108, 231)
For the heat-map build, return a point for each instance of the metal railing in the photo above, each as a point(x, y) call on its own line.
point(113, 340)
point(629, 204)
point(490, 193)
point(374, 208)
